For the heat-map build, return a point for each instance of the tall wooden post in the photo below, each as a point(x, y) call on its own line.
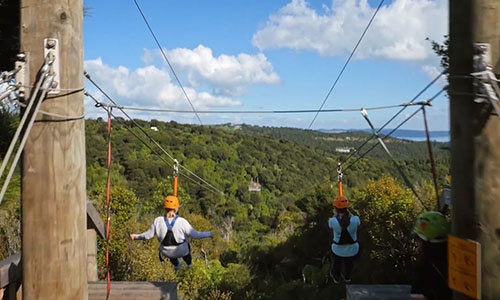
point(53, 176)
point(475, 139)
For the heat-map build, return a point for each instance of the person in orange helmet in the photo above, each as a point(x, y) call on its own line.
point(345, 246)
point(172, 232)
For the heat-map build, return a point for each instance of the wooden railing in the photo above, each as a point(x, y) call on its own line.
point(10, 277)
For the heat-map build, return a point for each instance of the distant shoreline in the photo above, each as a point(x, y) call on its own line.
point(441, 139)
point(403, 134)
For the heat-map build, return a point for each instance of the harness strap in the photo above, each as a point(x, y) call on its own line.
point(171, 224)
point(345, 236)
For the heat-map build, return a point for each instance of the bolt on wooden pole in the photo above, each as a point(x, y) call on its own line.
point(54, 172)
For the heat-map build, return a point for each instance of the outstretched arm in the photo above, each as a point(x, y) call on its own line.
point(199, 234)
point(145, 235)
point(193, 233)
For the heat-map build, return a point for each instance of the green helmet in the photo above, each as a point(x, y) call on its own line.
point(432, 226)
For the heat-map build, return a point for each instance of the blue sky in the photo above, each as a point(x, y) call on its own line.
point(278, 55)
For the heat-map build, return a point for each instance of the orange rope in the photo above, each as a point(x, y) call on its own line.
point(176, 180)
point(176, 176)
point(108, 207)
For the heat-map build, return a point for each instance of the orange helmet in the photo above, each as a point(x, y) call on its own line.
point(171, 202)
point(340, 202)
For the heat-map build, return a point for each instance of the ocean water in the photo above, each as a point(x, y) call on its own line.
point(442, 139)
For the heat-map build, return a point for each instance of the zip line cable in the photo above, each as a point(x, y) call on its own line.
point(210, 187)
point(346, 63)
point(166, 59)
point(54, 115)
point(416, 96)
point(385, 135)
point(264, 111)
point(402, 109)
point(23, 120)
point(400, 170)
point(44, 81)
point(47, 81)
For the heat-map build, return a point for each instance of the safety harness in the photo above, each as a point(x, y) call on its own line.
point(345, 236)
point(169, 239)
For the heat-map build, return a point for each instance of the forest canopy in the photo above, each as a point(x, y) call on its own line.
point(269, 244)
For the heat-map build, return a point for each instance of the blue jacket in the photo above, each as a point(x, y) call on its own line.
point(345, 250)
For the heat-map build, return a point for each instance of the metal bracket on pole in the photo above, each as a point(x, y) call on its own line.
point(482, 56)
point(23, 76)
point(487, 83)
point(51, 53)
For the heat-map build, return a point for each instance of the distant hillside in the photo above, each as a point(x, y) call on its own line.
point(336, 141)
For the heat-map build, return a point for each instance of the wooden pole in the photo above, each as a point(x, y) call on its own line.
point(487, 166)
point(53, 174)
point(475, 139)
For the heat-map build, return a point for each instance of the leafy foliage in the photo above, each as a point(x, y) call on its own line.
point(388, 214)
point(441, 50)
point(263, 242)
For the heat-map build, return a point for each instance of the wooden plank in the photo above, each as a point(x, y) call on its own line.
point(125, 290)
point(94, 221)
point(378, 291)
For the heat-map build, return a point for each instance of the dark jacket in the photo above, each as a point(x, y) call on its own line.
point(431, 272)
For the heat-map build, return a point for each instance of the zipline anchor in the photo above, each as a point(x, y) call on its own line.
point(176, 176)
point(339, 177)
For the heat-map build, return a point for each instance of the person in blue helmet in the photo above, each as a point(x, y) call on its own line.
point(431, 270)
point(345, 246)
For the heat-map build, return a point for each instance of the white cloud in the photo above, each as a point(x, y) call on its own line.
point(150, 87)
point(399, 30)
point(207, 81)
point(225, 74)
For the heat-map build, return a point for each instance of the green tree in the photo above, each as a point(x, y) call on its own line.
point(387, 213)
point(441, 50)
point(122, 215)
